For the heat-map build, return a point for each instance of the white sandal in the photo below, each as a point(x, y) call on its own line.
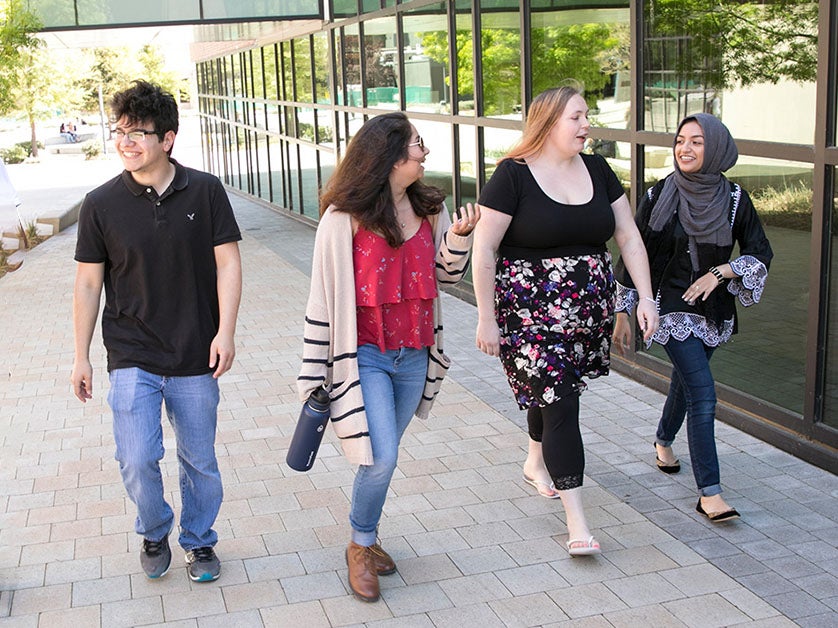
point(582, 547)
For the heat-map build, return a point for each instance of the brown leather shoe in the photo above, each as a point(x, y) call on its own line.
point(384, 564)
point(363, 575)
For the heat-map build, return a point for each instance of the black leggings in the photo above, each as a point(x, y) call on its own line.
point(556, 427)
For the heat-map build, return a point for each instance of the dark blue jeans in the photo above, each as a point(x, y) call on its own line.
point(692, 394)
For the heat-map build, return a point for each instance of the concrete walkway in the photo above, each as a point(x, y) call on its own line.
point(474, 545)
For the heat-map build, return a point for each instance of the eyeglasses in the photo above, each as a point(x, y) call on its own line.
point(135, 136)
point(419, 142)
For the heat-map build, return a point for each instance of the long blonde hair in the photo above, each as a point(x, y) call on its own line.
point(545, 110)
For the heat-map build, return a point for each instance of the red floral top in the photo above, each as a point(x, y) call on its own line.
point(395, 290)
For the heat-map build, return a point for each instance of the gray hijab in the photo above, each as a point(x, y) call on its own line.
point(703, 197)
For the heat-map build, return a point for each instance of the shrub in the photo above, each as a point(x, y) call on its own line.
point(91, 150)
point(14, 154)
point(790, 207)
point(27, 146)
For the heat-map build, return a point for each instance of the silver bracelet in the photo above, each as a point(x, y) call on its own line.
point(650, 299)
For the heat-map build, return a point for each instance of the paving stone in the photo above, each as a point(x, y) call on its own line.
point(527, 610)
point(473, 543)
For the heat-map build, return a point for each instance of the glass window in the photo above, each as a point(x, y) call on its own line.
point(500, 53)
point(464, 42)
point(767, 358)
point(439, 164)
point(467, 135)
point(497, 143)
point(278, 161)
point(286, 71)
point(322, 67)
point(302, 70)
point(325, 127)
point(344, 8)
point(221, 9)
point(381, 58)
point(426, 71)
point(269, 64)
point(350, 54)
point(760, 79)
point(308, 173)
point(110, 12)
point(830, 410)
point(566, 44)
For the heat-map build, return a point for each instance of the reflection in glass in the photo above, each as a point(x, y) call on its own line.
point(278, 189)
point(344, 8)
point(767, 357)
point(439, 165)
point(762, 76)
point(426, 77)
point(302, 70)
point(322, 63)
point(566, 45)
point(830, 410)
point(381, 59)
point(497, 143)
point(500, 40)
point(350, 54)
point(308, 176)
point(465, 59)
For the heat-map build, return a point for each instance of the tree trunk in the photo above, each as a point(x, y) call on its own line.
point(34, 140)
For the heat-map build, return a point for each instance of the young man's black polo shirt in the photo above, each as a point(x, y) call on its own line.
point(161, 298)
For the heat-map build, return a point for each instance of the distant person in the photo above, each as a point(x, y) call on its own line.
point(68, 132)
point(163, 241)
point(373, 324)
point(690, 222)
point(545, 288)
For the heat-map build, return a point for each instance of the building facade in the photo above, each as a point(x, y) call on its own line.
point(279, 101)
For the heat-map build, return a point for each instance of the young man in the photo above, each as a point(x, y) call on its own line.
point(163, 241)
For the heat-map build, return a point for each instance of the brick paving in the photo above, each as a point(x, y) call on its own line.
point(474, 545)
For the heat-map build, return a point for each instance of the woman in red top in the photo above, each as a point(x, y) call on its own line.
point(403, 244)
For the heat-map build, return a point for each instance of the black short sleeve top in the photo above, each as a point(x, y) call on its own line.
point(542, 227)
point(161, 299)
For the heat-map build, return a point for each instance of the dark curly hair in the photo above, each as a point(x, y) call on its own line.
point(143, 102)
point(360, 184)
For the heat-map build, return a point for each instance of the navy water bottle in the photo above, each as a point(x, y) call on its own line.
point(309, 431)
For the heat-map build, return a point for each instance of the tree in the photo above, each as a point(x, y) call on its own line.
point(44, 83)
point(17, 36)
point(740, 43)
point(111, 68)
point(587, 53)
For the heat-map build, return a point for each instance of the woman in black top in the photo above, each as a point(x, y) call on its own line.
point(545, 289)
point(690, 222)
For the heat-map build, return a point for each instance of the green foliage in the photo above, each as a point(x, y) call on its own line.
point(15, 154)
point(17, 35)
point(740, 43)
point(91, 150)
point(584, 52)
point(27, 146)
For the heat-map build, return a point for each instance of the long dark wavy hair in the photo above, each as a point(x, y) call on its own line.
point(360, 184)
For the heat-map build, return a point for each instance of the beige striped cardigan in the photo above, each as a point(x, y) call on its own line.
point(330, 334)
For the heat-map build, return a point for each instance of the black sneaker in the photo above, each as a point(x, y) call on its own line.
point(155, 557)
point(203, 564)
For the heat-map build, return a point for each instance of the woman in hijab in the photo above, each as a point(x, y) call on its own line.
point(689, 223)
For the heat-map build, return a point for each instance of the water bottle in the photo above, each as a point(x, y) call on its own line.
point(309, 431)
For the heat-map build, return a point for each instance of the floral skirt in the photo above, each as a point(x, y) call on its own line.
point(556, 317)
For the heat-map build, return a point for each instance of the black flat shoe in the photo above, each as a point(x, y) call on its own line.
point(717, 516)
point(666, 468)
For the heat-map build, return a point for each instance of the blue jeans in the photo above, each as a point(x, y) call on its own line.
point(692, 393)
point(136, 397)
point(392, 384)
